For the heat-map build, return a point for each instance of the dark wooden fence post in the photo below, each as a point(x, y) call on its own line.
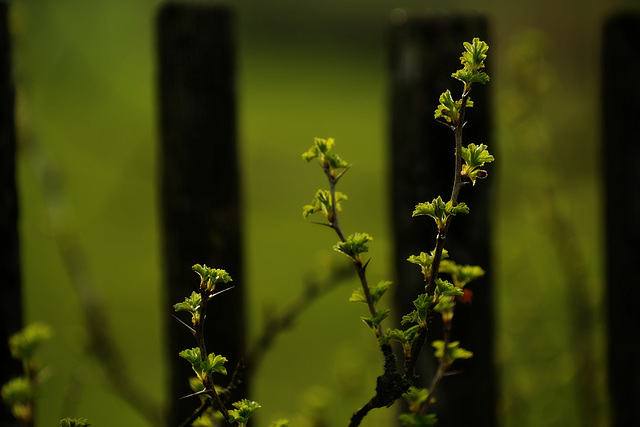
point(199, 180)
point(10, 292)
point(425, 50)
point(621, 153)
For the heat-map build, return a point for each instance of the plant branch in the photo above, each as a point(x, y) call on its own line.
point(276, 324)
point(442, 367)
point(208, 381)
point(357, 263)
point(101, 343)
point(389, 387)
point(206, 403)
point(455, 191)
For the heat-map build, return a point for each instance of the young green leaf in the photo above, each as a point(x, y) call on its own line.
point(204, 367)
point(322, 202)
point(472, 60)
point(358, 296)
point(405, 338)
point(214, 363)
point(445, 307)
point(244, 410)
point(444, 288)
point(355, 245)
point(440, 211)
point(321, 149)
point(454, 352)
point(417, 420)
point(17, 393)
point(449, 109)
point(24, 343)
point(419, 315)
point(425, 260)
point(416, 397)
point(379, 290)
point(461, 274)
point(192, 304)
point(475, 156)
point(375, 321)
point(74, 422)
point(209, 277)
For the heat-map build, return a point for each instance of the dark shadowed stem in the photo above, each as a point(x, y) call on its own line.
point(455, 191)
point(203, 407)
point(359, 415)
point(420, 341)
point(442, 367)
point(389, 387)
point(208, 383)
point(416, 348)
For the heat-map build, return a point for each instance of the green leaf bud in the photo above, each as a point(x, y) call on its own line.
point(244, 410)
point(74, 422)
point(475, 156)
point(322, 202)
point(461, 274)
point(417, 420)
point(23, 344)
point(454, 352)
point(440, 211)
point(322, 150)
point(355, 245)
point(209, 277)
point(17, 394)
point(375, 321)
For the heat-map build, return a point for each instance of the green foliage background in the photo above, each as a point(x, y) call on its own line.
point(86, 92)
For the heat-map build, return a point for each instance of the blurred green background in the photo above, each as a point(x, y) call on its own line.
point(86, 79)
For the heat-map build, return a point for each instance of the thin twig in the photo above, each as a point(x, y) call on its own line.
point(101, 343)
point(312, 290)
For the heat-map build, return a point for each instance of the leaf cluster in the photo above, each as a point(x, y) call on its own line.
point(440, 211)
point(425, 261)
point(472, 60)
point(18, 392)
point(323, 202)
point(329, 161)
point(461, 274)
point(450, 109)
point(204, 367)
point(375, 292)
point(210, 277)
point(193, 305)
point(453, 352)
point(354, 246)
point(74, 422)
point(25, 343)
point(475, 156)
point(244, 410)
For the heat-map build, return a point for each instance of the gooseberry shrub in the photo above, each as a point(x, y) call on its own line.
point(438, 299)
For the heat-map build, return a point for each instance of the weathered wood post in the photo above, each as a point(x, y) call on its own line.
point(200, 200)
point(621, 153)
point(10, 291)
point(425, 51)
